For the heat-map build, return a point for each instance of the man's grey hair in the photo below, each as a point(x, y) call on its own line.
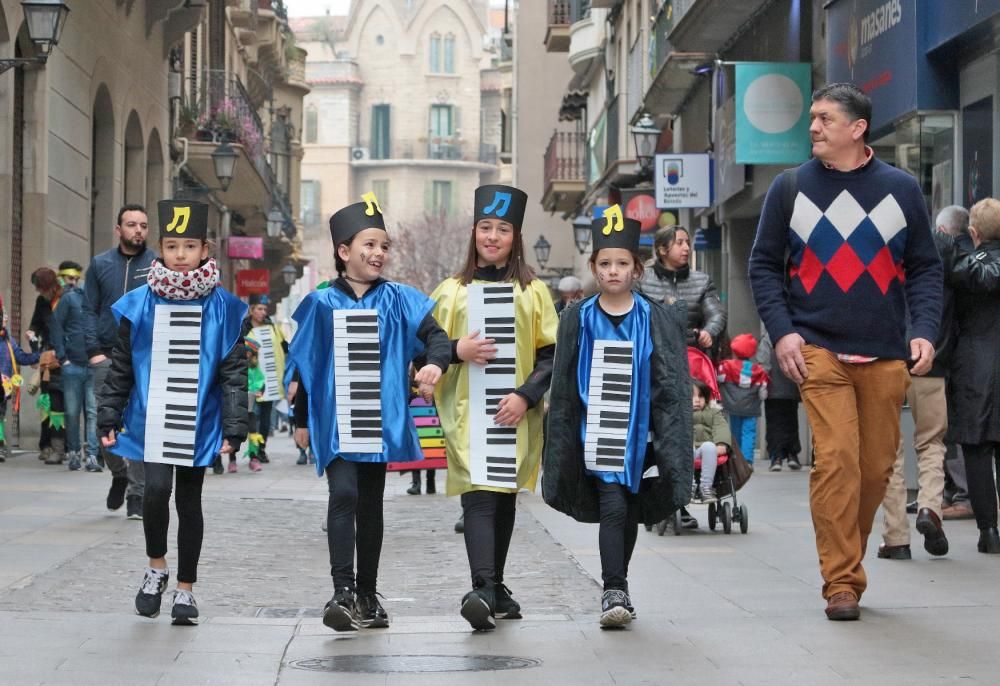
point(953, 220)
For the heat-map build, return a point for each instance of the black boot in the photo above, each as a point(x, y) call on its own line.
point(431, 485)
point(478, 605)
point(414, 488)
point(989, 541)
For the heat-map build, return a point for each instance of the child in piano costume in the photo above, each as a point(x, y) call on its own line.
point(351, 353)
point(502, 325)
point(618, 434)
point(273, 349)
point(176, 394)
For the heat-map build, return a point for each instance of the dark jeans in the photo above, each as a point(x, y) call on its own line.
point(156, 515)
point(979, 460)
point(782, 427)
point(354, 521)
point(619, 529)
point(489, 525)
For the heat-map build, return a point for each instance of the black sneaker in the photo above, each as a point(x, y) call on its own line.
point(217, 467)
point(687, 521)
point(371, 612)
point(262, 456)
point(116, 494)
point(185, 610)
point(460, 524)
point(505, 607)
point(776, 464)
point(341, 613)
point(302, 457)
point(793, 463)
point(133, 507)
point(615, 609)
point(478, 606)
point(147, 600)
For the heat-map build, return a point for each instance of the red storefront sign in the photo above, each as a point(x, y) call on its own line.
point(253, 282)
point(245, 247)
point(642, 208)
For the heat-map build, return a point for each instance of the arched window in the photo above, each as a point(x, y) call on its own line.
point(449, 54)
point(434, 50)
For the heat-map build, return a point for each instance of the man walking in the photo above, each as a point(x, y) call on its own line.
point(850, 237)
point(109, 276)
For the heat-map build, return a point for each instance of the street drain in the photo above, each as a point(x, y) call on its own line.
point(384, 664)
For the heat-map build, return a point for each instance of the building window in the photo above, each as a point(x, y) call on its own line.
point(442, 145)
point(440, 198)
point(435, 53)
point(312, 125)
point(380, 144)
point(449, 54)
point(380, 187)
point(309, 201)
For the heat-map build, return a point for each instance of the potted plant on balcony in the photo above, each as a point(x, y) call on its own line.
point(221, 123)
point(187, 120)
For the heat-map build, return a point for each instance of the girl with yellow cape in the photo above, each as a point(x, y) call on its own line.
point(495, 257)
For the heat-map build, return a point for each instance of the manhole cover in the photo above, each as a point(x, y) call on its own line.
point(382, 664)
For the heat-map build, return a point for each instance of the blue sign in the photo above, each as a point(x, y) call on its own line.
point(772, 112)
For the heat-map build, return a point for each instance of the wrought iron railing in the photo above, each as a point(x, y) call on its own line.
point(565, 157)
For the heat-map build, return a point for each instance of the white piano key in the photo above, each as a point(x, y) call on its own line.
point(357, 360)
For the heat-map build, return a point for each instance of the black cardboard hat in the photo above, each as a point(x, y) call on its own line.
point(501, 202)
point(348, 221)
point(614, 230)
point(183, 219)
point(259, 299)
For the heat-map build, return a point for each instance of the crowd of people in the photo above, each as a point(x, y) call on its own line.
point(864, 304)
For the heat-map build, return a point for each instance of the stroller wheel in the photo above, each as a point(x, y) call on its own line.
point(744, 519)
point(712, 514)
point(661, 527)
point(727, 518)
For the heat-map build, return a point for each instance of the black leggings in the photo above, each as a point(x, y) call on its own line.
point(156, 515)
point(618, 532)
point(354, 521)
point(489, 525)
point(983, 486)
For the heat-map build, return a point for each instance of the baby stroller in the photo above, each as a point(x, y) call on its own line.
point(730, 475)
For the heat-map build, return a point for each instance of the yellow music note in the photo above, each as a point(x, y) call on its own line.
point(179, 224)
point(615, 221)
point(372, 203)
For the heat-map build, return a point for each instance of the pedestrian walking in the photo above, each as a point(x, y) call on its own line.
point(490, 404)
point(843, 246)
point(743, 384)
point(360, 333)
point(781, 412)
point(51, 402)
point(176, 394)
point(112, 274)
point(620, 409)
point(268, 336)
point(11, 380)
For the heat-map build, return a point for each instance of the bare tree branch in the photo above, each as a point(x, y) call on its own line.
point(427, 251)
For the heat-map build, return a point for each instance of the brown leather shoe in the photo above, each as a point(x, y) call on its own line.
point(894, 552)
point(929, 524)
point(957, 512)
point(842, 607)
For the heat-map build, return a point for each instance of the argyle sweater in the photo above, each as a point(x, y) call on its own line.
point(840, 263)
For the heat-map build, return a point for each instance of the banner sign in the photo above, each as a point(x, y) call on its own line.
point(253, 282)
point(683, 181)
point(245, 247)
point(772, 112)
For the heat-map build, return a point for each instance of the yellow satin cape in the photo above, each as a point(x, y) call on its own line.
point(535, 323)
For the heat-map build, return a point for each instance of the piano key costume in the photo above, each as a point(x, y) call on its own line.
point(618, 381)
point(487, 464)
point(271, 361)
point(351, 356)
point(177, 384)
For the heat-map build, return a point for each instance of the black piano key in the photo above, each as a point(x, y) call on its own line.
point(614, 442)
point(610, 462)
point(615, 397)
point(490, 321)
point(615, 350)
point(612, 414)
point(363, 357)
point(179, 427)
point(364, 413)
point(499, 300)
point(501, 441)
point(366, 434)
point(181, 389)
point(362, 367)
point(186, 417)
point(358, 328)
point(618, 378)
point(500, 370)
point(359, 346)
point(608, 424)
point(178, 446)
point(500, 340)
point(618, 359)
point(617, 387)
point(178, 456)
point(366, 424)
point(501, 460)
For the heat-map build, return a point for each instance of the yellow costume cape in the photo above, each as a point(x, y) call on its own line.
point(535, 327)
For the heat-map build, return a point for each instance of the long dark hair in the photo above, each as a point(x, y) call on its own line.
point(517, 269)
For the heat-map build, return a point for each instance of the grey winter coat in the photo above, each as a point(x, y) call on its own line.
point(704, 309)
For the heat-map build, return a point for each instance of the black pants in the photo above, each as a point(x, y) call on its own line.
point(781, 434)
point(354, 521)
point(619, 529)
point(264, 419)
point(156, 515)
point(979, 461)
point(489, 525)
point(57, 404)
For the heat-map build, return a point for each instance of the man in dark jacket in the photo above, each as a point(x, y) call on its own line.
point(110, 276)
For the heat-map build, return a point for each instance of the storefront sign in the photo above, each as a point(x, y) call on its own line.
point(252, 282)
point(683, 181)
point(641, 206)
point(245, 247)
point(772, 112)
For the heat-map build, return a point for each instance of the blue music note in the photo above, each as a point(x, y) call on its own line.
point(501, 199)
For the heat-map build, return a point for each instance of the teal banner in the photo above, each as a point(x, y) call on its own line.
point(772, 112)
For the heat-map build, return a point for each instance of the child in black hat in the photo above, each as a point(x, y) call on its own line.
point(176, 394)
point(618, 433)
point(351, 352)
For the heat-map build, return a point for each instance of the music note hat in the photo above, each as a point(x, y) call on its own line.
point(352, 219)
point(614, 230)
point(183, 219)
point(501, 202)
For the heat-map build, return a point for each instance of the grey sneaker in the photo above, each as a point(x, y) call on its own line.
point(133, 507)
point(91, 465)
point(147, 601)
point(185, 610)
point(74, 462)
point(615, 610)
point(707, 495)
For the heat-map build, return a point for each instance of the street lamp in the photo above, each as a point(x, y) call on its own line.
point(275, 220)
point(581, 232)
point(289, 274)
point(45, 20)
point(542, 249)
point(645, 134)
point(224, 160)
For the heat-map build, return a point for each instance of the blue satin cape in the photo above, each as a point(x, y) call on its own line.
point(222, 317)
point(594, 326)
point(401, 309)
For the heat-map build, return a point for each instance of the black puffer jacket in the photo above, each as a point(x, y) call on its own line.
point(974, 388)
point(120, 380)
point(704, 309)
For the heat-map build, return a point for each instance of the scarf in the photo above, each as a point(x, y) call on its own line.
point(172, 285)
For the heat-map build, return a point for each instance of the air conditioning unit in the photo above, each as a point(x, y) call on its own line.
point(359, 154)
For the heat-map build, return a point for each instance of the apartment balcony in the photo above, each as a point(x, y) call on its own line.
point(586, 41)
point(297, 69)
point(333, 73)
point(433, 151)
point(565, 176)
point(674, 71)
point(562, 15)
point(707, 25)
